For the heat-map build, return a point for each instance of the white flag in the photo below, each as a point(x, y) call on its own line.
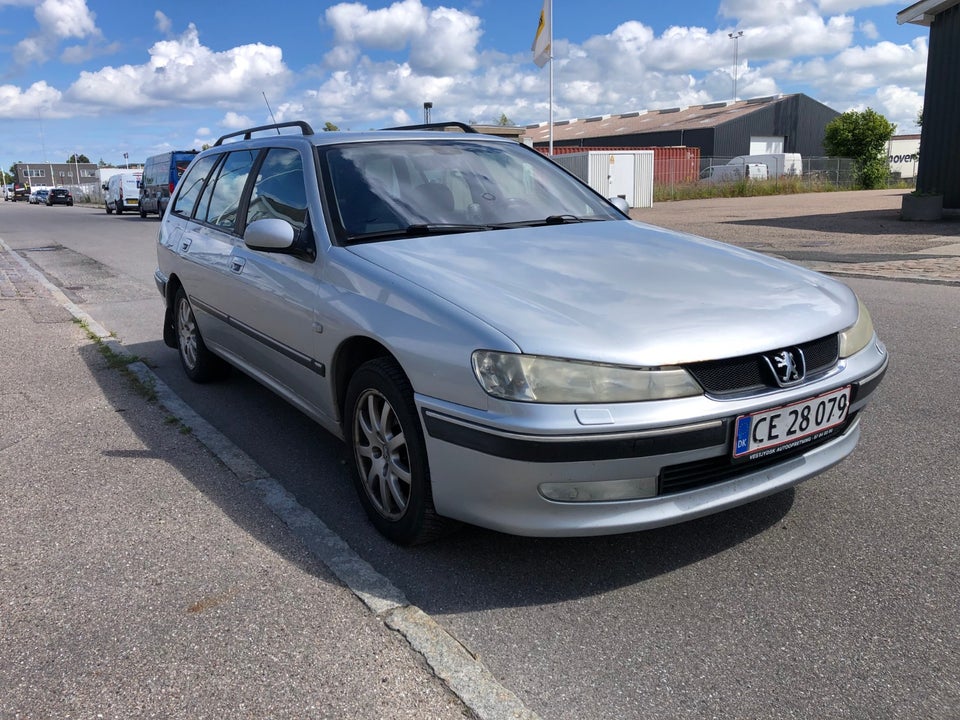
point(541, 42)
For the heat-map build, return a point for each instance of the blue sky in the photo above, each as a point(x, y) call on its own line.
point(105, 78)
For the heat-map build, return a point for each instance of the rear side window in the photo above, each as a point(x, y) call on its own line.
point(220, 200)
point(279, 190)
point(192, 185)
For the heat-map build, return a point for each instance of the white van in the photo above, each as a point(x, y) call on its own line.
point(778, 164)
point(122, 192)
point(734, 172)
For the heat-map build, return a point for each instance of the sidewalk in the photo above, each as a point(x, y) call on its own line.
point(141, 577)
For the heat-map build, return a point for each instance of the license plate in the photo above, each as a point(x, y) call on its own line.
point(779, 429)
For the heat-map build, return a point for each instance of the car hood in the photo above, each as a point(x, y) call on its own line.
point(621, 291)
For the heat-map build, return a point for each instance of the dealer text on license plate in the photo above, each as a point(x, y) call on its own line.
point(768, 432)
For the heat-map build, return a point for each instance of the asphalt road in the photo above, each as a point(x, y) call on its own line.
point(833, 600)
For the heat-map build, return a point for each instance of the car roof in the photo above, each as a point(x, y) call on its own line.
point(433, 132)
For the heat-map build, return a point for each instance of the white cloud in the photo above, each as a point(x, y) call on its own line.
point(39, 99)
point(235, 121)
point(182, 71)
point(66, 19)
point(58, 20)
point(440, 41)
point(162, 22)
point(845, 6)
point(899, 105)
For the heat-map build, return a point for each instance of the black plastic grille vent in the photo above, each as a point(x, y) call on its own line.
point(750, 372)
point(678, 478)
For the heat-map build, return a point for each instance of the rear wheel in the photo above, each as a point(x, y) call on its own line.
point(119, 208)
point(109, 209)
point(143, 213)
point(199, 364)
point(391, 473)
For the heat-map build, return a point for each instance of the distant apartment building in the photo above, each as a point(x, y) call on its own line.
point(56, 174)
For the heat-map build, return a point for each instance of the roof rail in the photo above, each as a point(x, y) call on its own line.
point(305, 129)
point(435, 126)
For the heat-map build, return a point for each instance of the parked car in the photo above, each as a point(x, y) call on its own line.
point(498, 344)
point(160, 175)
point(60, 196)
point(39, 197)
point(122, 192)
point(20, 193)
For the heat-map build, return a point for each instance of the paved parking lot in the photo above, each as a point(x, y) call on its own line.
point(847, 233)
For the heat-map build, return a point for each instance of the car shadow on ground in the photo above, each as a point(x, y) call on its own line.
point(860, 222)
point(470, 569)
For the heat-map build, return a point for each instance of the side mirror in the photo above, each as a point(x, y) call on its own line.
point(620, 204)
point(269, 234)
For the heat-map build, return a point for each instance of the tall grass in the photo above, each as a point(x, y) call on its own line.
point(787, 185)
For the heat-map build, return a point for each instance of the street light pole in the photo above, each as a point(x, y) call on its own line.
point(736, 58)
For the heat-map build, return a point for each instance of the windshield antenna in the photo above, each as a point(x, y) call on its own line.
point(270, 110)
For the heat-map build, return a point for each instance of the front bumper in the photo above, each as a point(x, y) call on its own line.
point(493, 473)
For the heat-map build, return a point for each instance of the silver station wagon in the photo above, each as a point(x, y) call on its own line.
point(499, 345)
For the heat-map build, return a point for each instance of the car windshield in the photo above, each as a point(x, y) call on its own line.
point(397, 188)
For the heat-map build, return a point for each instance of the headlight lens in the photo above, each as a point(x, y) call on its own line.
point(530, 378)
point(856, 337)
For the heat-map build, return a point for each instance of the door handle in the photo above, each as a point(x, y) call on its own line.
point(236, 264)
point(185, 244)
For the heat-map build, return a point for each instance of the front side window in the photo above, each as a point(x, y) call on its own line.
point(279, 191)
point(192, 185)
point(221, 198)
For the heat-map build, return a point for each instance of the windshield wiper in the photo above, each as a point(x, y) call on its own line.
point(550, 220)
point(418, 230)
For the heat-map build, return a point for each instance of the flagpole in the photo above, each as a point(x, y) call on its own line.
point(551, 78)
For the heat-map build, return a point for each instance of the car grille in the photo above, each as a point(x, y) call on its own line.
point(748, 373)
point(688, 476)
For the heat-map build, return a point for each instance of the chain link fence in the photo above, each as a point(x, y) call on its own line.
point(698, 178)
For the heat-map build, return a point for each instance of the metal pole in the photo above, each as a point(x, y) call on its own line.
point(736, 58)
point(551, 78)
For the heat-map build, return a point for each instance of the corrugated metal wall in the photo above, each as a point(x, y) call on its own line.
point(939, 170)
point(800, 120)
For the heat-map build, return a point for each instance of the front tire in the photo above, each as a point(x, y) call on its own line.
point(199, 364)
point(391, 472)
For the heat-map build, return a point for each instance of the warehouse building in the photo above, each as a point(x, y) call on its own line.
point(938, 171)
point(777, 124)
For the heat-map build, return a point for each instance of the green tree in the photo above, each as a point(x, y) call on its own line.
point(862, 137)
point(330, 127)
point(504, 121)
point(919, 120)
point(81, 158)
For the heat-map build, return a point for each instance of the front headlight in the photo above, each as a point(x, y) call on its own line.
point(855, 338)
point(530, 378)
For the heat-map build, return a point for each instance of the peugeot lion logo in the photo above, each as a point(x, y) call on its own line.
point(788, 366)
